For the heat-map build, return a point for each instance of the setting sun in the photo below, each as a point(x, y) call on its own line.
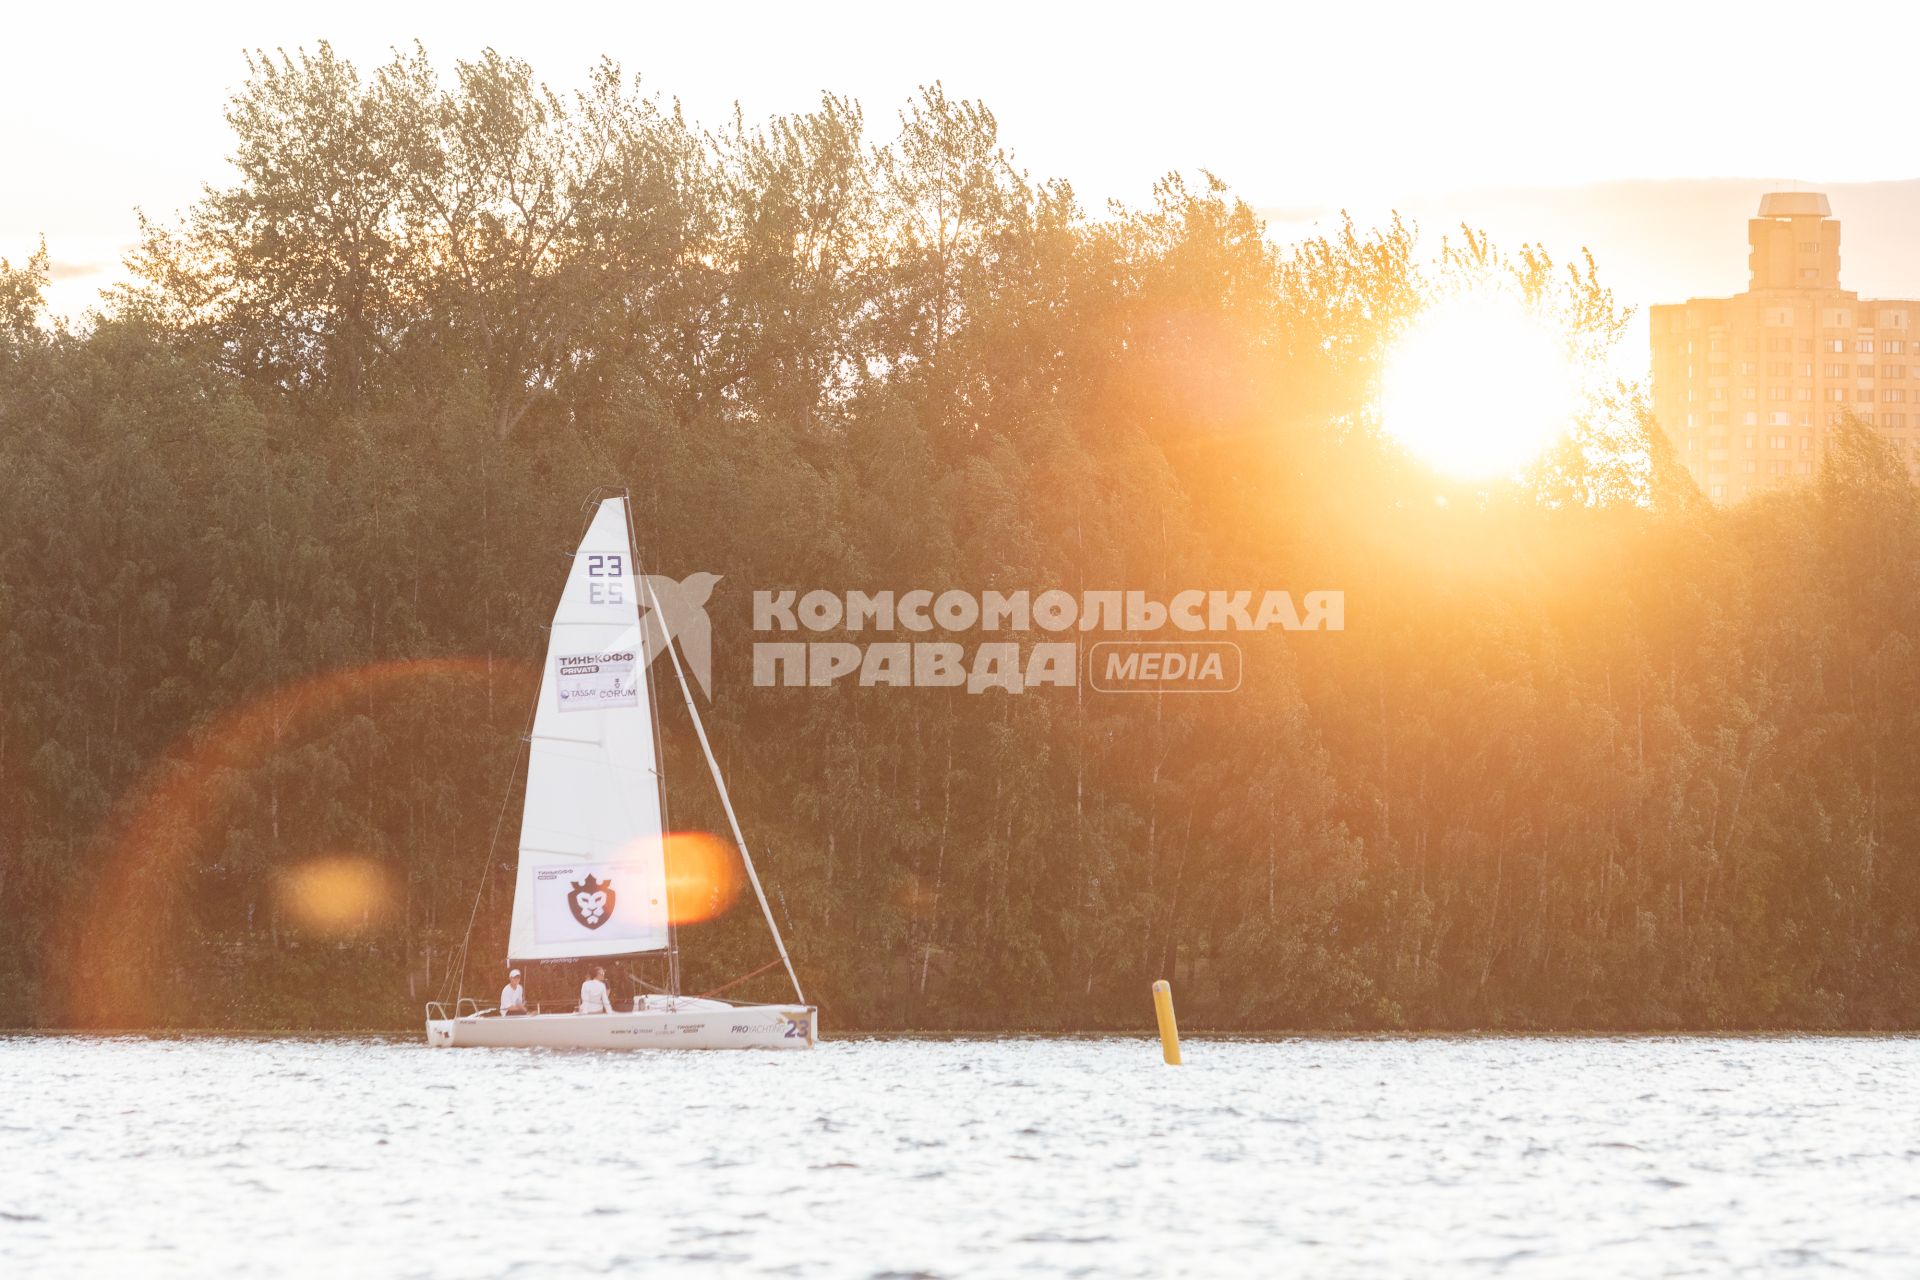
point(1478, 387)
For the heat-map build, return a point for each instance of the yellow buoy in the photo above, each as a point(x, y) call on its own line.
point(1169, 1031)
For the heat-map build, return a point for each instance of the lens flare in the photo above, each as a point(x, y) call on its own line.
point(111, 940)
point(703, 876)
point(1479, 387)
point(336, 894)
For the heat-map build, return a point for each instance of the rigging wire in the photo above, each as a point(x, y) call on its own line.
point(456, 977)
point(726, 803)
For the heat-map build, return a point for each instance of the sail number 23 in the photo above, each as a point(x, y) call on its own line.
point(599, 570)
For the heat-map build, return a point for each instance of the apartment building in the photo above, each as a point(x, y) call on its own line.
point(1749, 388)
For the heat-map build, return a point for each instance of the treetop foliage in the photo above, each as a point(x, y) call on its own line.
point(281, 525)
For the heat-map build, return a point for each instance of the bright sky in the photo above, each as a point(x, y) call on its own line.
point(1303, 109)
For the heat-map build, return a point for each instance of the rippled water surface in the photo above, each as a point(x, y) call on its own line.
point(973, 1157)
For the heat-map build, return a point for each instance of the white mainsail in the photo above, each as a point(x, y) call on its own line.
point(592, 878)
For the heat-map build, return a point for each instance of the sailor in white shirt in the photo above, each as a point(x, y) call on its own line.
point(513, 996)
point(593, 993)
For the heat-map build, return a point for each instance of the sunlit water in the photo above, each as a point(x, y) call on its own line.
point(1577, 1157)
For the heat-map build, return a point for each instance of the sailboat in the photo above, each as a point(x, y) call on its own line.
point(592, 875)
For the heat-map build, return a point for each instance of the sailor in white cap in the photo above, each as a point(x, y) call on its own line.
point(513, 996)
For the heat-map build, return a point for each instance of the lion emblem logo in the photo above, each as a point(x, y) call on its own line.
point(591, 901)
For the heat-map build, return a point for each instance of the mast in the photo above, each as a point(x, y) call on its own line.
point(653, 620)
point(726, 801)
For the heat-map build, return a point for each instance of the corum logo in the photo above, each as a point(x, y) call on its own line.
point(682, 609)
point(591, 901)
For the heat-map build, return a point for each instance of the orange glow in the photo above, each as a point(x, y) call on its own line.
point(703, 876)
point(336, 893)
point(174, 815)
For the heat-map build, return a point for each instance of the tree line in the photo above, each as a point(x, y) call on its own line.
point(282, 522)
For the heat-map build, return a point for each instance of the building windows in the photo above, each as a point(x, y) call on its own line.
point(1836, 345)
point(1896, 419)
point(1895, 346)
point(1893, 394)
point(1720, 393)
point(1750, 466)
point(1776, 442)
point(1806, 346)
point(1716, 344)
point(1747, 368)
point(1806, 371)
point(1863, 345)
point(1718, 492)
point(1749, 393)
point(1893, 371)
point(1776, 394)
point(1833, 393)
point(1803, 393)
point(1837, 370)
point(1806, 444)
point(1803, 468)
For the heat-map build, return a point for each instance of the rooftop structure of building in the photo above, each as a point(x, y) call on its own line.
point(1751, 388)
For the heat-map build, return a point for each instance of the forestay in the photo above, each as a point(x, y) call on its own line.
point(592, 875)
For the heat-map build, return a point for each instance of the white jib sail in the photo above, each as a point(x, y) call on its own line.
point(592, 879)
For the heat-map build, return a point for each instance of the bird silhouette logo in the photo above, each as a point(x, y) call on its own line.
point(680, 611)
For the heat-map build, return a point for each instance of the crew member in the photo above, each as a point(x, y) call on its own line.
point(593, 993)
point(513, 996)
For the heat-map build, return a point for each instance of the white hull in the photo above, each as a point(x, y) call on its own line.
point(683, 1023)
